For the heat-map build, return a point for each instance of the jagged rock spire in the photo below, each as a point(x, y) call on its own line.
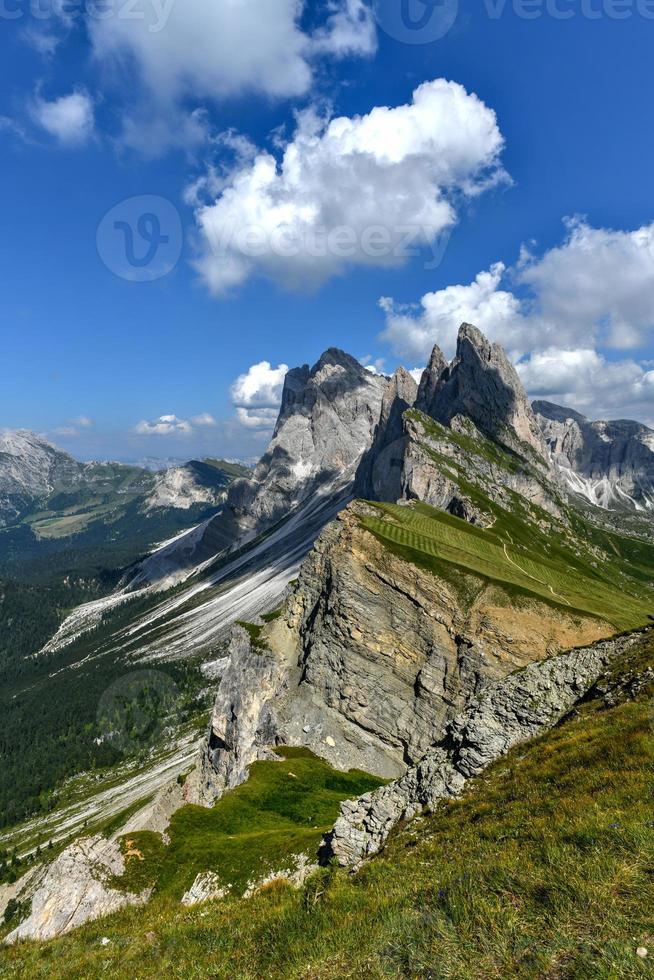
point(399, 395)
point(431, 380)
point(482, 384)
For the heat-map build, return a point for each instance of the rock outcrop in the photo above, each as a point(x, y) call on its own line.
point(482, 385)
point(77, 888)
point(243, 725)
point(611, 464)
point(370, 659)
point(510, 711)
point(205, 888)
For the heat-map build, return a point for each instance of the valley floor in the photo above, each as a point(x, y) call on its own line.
point(544, 869)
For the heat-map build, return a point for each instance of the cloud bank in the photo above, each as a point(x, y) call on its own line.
point(566, 316)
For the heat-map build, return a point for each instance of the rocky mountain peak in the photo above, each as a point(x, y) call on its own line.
point(482, 385)
point(327, 421)
point(30, 467)
point(335, 357)
point(431, 380)
point(556, 413)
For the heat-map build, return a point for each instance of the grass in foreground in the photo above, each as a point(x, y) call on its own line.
point(545, 869)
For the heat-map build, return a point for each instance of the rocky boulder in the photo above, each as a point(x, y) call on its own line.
point(77, 888)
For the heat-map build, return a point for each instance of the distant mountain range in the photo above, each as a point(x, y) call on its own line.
point(611, 464)
point(50, 501)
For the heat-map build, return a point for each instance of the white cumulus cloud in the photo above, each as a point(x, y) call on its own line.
point(69, 119)
point(587, 381)
point(413, 331)
point(599, 281)
point(204, 419)
point(257, 394)
point(565, 313)
point(171, 52)
point(596, 289)
point(361, 190)
point(165, 425)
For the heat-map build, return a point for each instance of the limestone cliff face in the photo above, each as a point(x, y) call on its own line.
point(76, 888)
point(510, 711)
point(244, 724)
point(370, 660)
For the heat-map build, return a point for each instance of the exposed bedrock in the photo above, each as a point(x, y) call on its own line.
point(509, 712)
point(370, 659)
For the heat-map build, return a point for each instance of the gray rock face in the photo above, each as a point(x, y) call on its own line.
point(370, 660)
point(611, 464)
point(76, 889)
point(509, 712)
point(30, 469)
point(326, 422)
point(205, 888)
point(482, 385)
point(377, 476)
point(243, 725)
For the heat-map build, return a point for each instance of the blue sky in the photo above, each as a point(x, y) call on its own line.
point(95, 112)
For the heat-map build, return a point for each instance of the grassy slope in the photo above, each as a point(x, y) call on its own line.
point(544, 869)
point(282, 810)
point(519, 557)
point(578, 565)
